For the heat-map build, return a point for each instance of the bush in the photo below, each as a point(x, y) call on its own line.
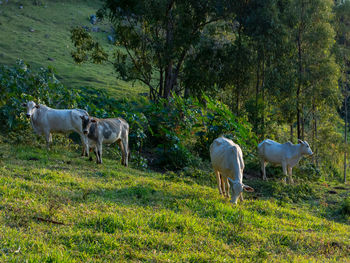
point(345, 207)
point(19, 84)
point(218, 120)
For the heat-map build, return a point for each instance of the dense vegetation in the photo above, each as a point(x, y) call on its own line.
point(281, 65)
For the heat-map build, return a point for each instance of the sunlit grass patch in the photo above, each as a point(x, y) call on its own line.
point(58, 206)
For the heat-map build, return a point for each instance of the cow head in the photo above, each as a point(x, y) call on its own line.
point(237, 189)
point(305, 147)
point(86, 123)
point(31, 107)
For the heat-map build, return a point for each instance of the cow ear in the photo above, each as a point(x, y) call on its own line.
point(37, 106)
point(24, 104)
point(93, 120)
point(248, 188)
point(300, 141)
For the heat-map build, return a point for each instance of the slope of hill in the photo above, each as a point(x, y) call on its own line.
point(59, 207)
point(39, 33)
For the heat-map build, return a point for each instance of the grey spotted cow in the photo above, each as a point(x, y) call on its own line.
point(99, 131)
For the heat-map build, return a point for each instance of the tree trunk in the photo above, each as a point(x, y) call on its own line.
point(187, 92)
point(256, 120)
point(169, 43)
point(298, 92)
point(263, 97)
point(300, 72)
point(302, 126)
point(345, 130)
point(314, 133)
point(316, 151)
point(161, 83)
point(237, 100)
point(168, 81)
point(291, 133)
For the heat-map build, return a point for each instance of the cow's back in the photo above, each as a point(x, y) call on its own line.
point(112, 129)
point(64, 120)
point(272, 151)
point(226, 157)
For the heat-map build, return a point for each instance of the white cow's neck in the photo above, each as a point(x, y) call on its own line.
point(34, 119)
point(296, 153)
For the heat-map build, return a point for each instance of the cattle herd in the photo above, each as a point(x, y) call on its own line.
point(226, 156)
point(93, 131)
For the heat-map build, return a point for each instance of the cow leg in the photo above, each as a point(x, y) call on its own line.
point(224, 186)
point(48, 138)
point(85, 144)
point(263, 170)
point(123, 148)
point(95, 152)
point(218, 180)
point(99, 153)
point(284, 167)
point(126, 151)
point(227, 188)
point(290, 175)
point(241, 197)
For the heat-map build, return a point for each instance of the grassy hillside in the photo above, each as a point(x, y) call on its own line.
point(49, 44)
point(59, 207)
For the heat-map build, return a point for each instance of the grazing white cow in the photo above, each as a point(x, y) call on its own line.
point(46, 120)
point(288, 155)
point(227, 161)
point(107, 131)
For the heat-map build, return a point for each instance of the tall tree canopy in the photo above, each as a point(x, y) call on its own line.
point(156, 37)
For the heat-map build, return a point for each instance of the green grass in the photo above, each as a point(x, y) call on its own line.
point(52, 22)
point(115, 214)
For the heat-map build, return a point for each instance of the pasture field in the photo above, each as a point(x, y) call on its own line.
point(39, 33)
point(58, 207)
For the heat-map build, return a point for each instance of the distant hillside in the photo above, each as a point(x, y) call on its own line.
point(39, 33)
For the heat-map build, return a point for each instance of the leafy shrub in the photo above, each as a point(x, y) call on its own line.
point(308, 171)
point(19, 84)
point(218, 120)
point(345, 207)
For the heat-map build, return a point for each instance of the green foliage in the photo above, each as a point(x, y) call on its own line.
point(345, 207)
point(155, 36)
point(219, 120)
point(85, 45)
point(19, 84)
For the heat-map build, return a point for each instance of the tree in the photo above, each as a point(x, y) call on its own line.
point(156, 37)
point(342, 26)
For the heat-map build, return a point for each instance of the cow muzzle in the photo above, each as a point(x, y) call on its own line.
point(28, 115)
point(85, 132)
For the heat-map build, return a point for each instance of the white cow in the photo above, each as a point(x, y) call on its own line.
point(288, 155)
point(45, 120)
point(227, 161)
